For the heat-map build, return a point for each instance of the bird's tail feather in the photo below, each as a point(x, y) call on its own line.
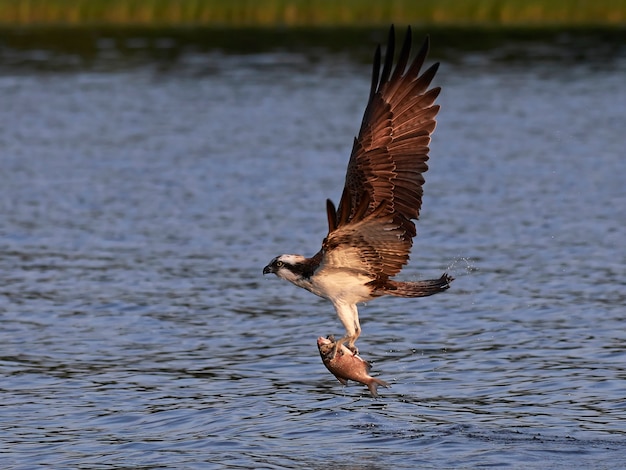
point(417, 288)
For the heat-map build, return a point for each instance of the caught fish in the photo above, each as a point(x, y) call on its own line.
point(345, 365)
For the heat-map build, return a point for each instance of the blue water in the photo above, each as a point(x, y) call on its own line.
point(139, 204)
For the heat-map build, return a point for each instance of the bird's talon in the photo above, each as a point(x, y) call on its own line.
point(337, 349)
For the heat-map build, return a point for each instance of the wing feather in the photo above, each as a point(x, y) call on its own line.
point(372, 228)
point(377, 245)
point(392, 147)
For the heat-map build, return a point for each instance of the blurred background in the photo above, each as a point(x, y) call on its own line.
point(86, 29)
point(321, 13)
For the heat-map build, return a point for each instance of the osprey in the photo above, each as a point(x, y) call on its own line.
point(371, 233)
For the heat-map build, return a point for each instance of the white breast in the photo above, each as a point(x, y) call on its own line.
point(341, 285)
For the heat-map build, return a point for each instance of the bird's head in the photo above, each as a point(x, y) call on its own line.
point(289, 267)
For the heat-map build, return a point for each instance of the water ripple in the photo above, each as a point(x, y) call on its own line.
point(138, 208)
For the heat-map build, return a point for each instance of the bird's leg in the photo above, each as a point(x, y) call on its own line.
point(350, 340)
point(349, 316)
point(338, 345)
point(353, 338)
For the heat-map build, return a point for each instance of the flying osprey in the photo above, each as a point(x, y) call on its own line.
point(371, 233)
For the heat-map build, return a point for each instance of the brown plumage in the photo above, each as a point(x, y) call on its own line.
point(390, 153)
point(370, 234)
point(383, 187)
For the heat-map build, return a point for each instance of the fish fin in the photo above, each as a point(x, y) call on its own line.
point(373, 386)
point(342, 381)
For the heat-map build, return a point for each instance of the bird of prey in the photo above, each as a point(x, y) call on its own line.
point(371, 233)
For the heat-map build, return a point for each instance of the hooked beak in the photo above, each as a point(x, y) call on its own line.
point(268, 269)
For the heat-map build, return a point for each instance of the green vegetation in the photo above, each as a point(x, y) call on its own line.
point(299, 13)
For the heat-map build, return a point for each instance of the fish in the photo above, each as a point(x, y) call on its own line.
point(346, 365)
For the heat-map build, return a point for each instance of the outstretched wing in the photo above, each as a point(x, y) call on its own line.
point(384, 176)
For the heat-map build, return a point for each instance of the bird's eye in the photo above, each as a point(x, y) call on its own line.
point(279, 264)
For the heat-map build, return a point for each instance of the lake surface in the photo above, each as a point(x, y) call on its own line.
point(140, 200)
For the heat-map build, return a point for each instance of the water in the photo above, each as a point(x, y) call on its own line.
point(139, 204)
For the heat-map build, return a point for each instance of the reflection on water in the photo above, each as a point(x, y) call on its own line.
point(93, 48)
point(139, 205)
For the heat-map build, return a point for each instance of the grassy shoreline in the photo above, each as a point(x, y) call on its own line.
point(312, 13)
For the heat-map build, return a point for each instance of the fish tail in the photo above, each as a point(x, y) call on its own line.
point(373, 386)
point(417, 288)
